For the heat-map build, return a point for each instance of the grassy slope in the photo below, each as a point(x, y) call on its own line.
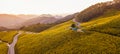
point(3, 48)
point(61, 40)
point(7, 36)
point(109, 25)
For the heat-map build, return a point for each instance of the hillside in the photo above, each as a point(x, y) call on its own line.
point(101, 36)
point(37, 27)
point(97, 10)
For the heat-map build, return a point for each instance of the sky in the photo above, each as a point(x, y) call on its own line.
point(45, 6)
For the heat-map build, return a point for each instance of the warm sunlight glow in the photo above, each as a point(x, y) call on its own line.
point(44, 6)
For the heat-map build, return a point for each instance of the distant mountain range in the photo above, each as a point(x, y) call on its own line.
point(44, 22)
point(9, 21)
point(66, 18)
point(3, 28)
point(27, 17)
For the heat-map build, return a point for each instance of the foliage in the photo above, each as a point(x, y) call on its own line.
point(109, 25)
point(37, 27)
point(7, 36)
point(3, 48)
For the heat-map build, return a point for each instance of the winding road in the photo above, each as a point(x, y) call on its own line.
point(12, 45)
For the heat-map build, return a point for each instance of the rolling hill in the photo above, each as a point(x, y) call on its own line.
point(37, 27)
point(101, 35)
point(97, 10)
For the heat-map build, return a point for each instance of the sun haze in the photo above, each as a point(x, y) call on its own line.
point(44, 6)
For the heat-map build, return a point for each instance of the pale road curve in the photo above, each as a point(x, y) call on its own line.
point(11, 46)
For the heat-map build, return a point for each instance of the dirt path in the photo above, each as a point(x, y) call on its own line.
point(12, 45)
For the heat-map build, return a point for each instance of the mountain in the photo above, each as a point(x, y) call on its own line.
point(58, 16)
point(66, 18)
point(10, 21)
point(27, 17)
point(3, 28)
point(42, 19)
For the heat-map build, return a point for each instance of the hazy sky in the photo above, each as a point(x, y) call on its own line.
point(44, 6)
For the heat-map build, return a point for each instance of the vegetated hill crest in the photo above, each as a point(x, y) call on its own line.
point(96, 10)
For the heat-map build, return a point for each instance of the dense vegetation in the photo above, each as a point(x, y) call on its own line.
point(7, 36)
point(3, 48)
point(97, 39)
point(37, 27)
point(109, 25)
